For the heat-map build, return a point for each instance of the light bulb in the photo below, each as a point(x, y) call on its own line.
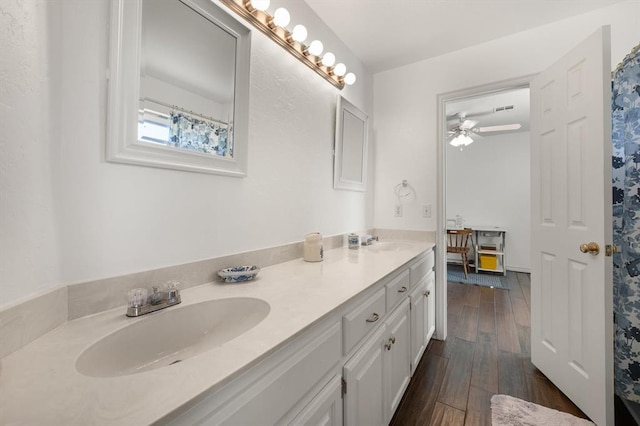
point(299, 33)
point(281, 17)
point(461, 140)
point(260, 4)
point(339, 69)
point(457, 141)
point(328, 59)
point(315, 48)
point(350, 78)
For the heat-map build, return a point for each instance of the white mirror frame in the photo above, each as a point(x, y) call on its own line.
point(344, 140)
point(122, 145)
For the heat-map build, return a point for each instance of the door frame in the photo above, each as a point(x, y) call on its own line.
point(441, 218)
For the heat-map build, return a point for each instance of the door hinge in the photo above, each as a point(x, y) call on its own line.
point(344, 386)
point(610, 249)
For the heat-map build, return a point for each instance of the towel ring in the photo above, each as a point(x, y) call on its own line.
point(403, 189)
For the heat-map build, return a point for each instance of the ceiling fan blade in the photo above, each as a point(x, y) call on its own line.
point(468, 124)
point(500, 128)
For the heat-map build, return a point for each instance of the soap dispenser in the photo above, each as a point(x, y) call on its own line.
point(312, 250)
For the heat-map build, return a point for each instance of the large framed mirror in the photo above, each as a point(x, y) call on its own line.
point(178, 86)
point(351, 143)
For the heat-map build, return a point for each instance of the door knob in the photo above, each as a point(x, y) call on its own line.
point(591, 247)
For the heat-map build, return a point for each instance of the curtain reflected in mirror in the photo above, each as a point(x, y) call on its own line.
point(186, 85)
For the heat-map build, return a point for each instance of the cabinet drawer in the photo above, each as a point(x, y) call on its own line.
point(398, 289)
point(421, 268)
point(363, 318)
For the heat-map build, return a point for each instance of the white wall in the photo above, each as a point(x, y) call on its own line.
point(68, 216)
point(405, 106)
point(30, 257)
point(488, 183)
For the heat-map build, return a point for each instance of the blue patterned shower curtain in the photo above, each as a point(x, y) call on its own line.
point(626, 225)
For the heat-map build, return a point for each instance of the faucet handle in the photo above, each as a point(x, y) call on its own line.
point(172, 288)
point(137, 297)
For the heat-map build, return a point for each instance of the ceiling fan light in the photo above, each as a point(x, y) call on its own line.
point(461, 140)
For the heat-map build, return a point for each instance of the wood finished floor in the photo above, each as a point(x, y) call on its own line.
point(487, 352)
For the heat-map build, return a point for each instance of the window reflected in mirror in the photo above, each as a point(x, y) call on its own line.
point(186, 85)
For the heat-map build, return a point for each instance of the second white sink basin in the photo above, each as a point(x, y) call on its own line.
point(171, 336)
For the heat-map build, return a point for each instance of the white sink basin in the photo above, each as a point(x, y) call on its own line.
point(170, 336)
point(389, 246)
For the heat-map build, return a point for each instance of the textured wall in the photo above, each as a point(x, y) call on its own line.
point(29, 238)
point(110, 219)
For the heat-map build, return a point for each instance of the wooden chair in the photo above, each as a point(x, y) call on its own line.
point(458, 242)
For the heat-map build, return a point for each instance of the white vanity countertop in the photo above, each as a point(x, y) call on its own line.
point(39, 383)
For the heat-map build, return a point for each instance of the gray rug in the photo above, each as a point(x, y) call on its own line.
point(509, 411)
point(455, 274)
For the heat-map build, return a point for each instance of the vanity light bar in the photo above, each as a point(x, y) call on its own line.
point(263, 21)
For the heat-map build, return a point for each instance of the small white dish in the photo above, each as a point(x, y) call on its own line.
point(238, 274)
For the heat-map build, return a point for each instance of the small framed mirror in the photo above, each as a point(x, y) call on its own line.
point(350, 151)
point(178, 86)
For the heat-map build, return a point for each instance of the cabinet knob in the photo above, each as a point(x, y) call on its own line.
point(402, 289)
point(375, 317)
point(426, 293)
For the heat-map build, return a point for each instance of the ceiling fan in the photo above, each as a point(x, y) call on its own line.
point(466, 131)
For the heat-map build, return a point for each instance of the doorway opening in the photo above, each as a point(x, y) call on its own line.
point(472, 187)
point(487, 178)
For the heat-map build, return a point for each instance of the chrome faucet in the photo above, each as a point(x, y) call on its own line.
point(141, 302)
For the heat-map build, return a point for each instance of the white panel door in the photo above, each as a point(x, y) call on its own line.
point(571, 291)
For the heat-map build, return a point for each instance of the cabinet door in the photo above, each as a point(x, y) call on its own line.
point(430, 314)
point(418, 323)
point(363, 375)
point(325, 409)
point(397, 358)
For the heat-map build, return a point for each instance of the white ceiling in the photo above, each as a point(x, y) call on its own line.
point(385, 34)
